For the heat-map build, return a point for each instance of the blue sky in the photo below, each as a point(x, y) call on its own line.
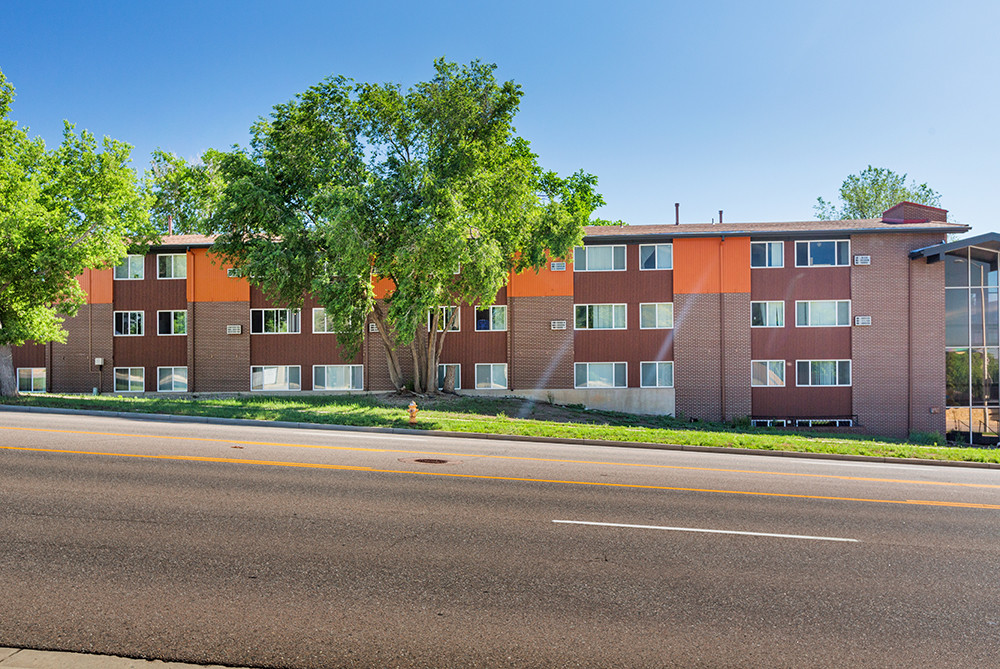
point(753, 108)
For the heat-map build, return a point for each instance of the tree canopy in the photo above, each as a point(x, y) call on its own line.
point(430, 189)
point(62, 211)
point(871, 192)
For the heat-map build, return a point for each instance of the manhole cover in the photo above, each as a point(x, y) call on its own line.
point(431, 461)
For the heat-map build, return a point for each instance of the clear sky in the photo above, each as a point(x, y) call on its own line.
point(755, 108)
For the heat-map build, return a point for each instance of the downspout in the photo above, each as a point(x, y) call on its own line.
point(722, 338)
point(909, 347)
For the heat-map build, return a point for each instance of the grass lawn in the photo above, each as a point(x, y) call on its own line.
point(507, 416)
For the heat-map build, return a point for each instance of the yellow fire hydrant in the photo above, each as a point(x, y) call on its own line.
point(412, 410)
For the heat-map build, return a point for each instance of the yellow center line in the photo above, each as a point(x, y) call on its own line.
point(868, 479)
point(312, 465)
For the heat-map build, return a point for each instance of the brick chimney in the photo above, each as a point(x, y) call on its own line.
point(909, 212)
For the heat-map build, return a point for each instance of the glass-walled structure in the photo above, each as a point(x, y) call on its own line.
point(972, 344)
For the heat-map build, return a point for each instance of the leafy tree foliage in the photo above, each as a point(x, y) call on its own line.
point(871, 192)
point(428, 190)
point(183, 195)
point(61, 211)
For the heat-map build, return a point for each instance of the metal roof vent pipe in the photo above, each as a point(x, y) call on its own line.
point(677, 213)
point(720, 217)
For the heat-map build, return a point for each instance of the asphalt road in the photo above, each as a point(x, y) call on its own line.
point(302, 548)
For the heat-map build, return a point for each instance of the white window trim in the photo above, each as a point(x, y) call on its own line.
point(142, 322)
point(142, 267)
point(326, 321)
point(275, 390)
point(44, 375)
point(442, 319)
point(612, 246)
point(832, 385)
point(602, 362)
point(809, 312)
point(649, 362)
point(603, 304)
point(641, 305)
point(491, 365)
point(784, 375)
point(781, 255)
point(171, 255)
point(458, 373)
point(184, 367)
point(114, 379)
point(781, 302)
point(655, 269)
point(491, 308)
point(337, 390)
point(170, 334)
point(290, 332)
point(809, 241)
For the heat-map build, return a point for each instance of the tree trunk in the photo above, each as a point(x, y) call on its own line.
point(8, 381)
point(449, 380)
point(388, 344)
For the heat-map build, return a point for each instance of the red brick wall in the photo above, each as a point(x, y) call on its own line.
point(736, 338)
point(221, 361)
point(697, 360)
point(541, 357)
point(89, 336)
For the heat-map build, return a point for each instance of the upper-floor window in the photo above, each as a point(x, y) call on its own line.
point(600, 317)
point(171, 322)
point(274, 321)
point(605, 258)
point(131, 268)
point(767, 314)
point(322, 324)
point(656, 256)
point(822, 313)
point(822, 372)
point(767, 254)
point(128, 323)
point(491, 318)
point(171, 266)
point(444, 315)
point(823, 253)
point(656, 315)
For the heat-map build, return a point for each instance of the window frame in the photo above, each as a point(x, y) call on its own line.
point(172, 321)
point(493, 384)
point(614, 375)
point(142, 324)
point(781, 254)
point(767, 313)
point(657, 319)
point(657, 363)
point(768, 363)
point(287, 388)
point(850, 367)
point(656, 256)
point(172, 266)
point(294, 316)
point(819, 241)
point(444, 319)
point(114, 376)
point(351, 369)
point(808, 304)
point(128, 260)
point(33, 376)
point(624, 321)
point(326, 324)
point(576, 262)
point(159, 389)
point(458, 374)
point(490, 308)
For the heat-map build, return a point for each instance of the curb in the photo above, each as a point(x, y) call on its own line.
point(211, 420)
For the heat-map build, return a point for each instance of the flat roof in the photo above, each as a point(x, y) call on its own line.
point(600, 233)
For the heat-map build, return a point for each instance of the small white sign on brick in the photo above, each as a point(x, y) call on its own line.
point(558, 267)
point(862, 260)
point(372, 327)
point(234, 329)
point(558, 325)
point(862, 320)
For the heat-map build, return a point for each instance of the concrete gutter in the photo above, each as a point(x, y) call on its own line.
point(17, 658)
point(211, 420)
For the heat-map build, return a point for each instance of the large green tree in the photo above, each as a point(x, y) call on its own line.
point(183, 195)
point(871, 192)
point(62, 211)
point(428, 188)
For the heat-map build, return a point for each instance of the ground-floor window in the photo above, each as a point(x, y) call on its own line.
point(656, 374)
point(492, 375)
point(172, 379)
point(276, 377)
point(600, 375)
point(443, 369)
point(767, 372)
point(31, 379)
point(822, 372)
point(338, 377)
point(130, 379)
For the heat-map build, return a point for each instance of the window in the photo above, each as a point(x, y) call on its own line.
point(823, 313)
point(823, 372)
point(656, 315)
point(171, 266)
point(767, 314)
point(338, 377)
point(171, 322)
point(600, 375)
point(274, 321)
point(130, 379)
point(767, 254)
point(322, 324)
point(490, 375)
point(128, 323)
point(491, 318)
point(443, 368)
point(31, 380)
point(444, 314)
point(767, 372)
point(172, 379)
point(600, 317)
point(656, 256)
point(656, 374)
point(598, 258)
point(276, 377)
point(822, 254)
point(131, 268)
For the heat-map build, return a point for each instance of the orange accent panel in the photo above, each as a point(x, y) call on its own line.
point(98, 284)
point(382, 287)
point(696, 265)
point(207, 281)
point(544, 282)
point(736, 265)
